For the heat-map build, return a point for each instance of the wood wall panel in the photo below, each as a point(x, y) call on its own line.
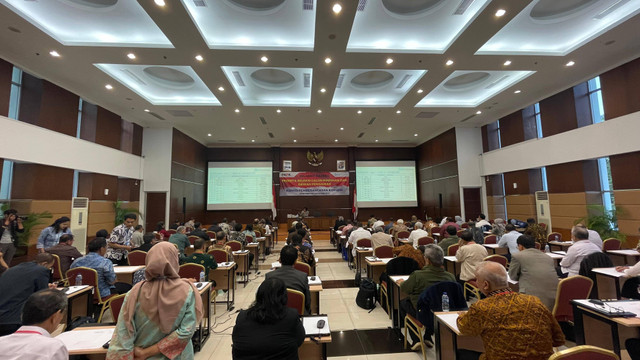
point(494, 185)
point(188, 178)
point(511, 129)
point(620, 92)
point(566, 208)
point(93, 186)
point(137, 139)
point(558, 113)
point(527, 182)
point(101, 216)
point(628, 201)
point(41, 182)
point(128, 189)
point(521, 207)
point(47, 105)
point(625, 171)
point(108, 128)
point(485, 138)
point(155, 212)
point(6, 70)
point(573, 177)
point(88, 121)
point(126, 136)
point(496, 209)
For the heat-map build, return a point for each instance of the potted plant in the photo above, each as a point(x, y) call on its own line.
point(603, 221)
point(121, 212)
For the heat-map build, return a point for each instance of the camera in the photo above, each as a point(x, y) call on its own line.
point(23, 217)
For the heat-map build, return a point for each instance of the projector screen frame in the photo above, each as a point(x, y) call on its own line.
point(387, 163)
point(240, 206)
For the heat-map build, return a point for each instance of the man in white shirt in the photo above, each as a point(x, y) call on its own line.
point(510, 240)
point(357, 234)
point(481, 221)
point(41, 315)
point(378, 223)
point(578, 251)
point(417, 234)
point(594, 237)
point(379, 238)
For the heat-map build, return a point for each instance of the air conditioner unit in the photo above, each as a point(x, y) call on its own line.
point(79, 217)
point(542, 209)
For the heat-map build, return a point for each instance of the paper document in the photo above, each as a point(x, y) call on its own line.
point(310, 324)
point(315, 281)
point(451, 320)
point(85, 339)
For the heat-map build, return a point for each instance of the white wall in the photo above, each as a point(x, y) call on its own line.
point(30, 143)
point(616, 136)
point(469, 149)
point(156, 151)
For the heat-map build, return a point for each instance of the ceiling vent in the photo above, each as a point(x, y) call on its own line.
point(361, 5)
point(307, 5)
point(360, 135)
point(340, 80)
point(464, 5)
point(180, 113)
point(199, 3)
point(156, 115)
point(467, 118)
point(402, 140)
point(238, 78)
point(496, 82)
point(427, 115)
point(226, 141)
point(307, 80)
point(263, 121)
point(372, 120)
point(403, 81)
point(271, 135)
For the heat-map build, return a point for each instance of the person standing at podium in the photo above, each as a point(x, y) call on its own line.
point(304, 213)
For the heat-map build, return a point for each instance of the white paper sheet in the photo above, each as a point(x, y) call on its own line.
point(73, 289)
point(310, 324)
point(450, 319)
point(85, 339)
point(316, 281)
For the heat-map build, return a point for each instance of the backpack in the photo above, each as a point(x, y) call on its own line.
point(366, 297)
point(80, 321)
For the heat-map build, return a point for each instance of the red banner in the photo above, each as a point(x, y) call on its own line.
point(314, 183)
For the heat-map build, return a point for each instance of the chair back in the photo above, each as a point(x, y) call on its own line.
point(538, 246)
point(383, 252)
point(192, 239)
point(452, 249)
point(211, 235)
point(295, 300)
point(490, 239)
point(425, 240)
point(459, 232)
point(575, 287)
point(583, 352)
point(304, 267)
point(258, 233)
point(403, 235)
point(553, 235)
point(190, 271)
point(499, 259)
point(611, 244)
point(137, 258)
point(115, 305)
point(249, 238)
point(430, 301)
point(235, 245)
point(464, 225)
point(172, 231)
point(401, 265)
point(89, 277)
point(57, 270)
point(363, 243)
point(435, 229)
point(220, 255)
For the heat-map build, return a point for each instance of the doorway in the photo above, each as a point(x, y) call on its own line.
point(472, 202)
point(156, 207)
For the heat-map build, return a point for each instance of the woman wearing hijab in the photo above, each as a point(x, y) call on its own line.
point(160, 314)
point(50, 236)
point(459, 220)
point(268, 330)
point(498, 227)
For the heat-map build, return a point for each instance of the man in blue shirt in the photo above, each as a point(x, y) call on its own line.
point(95, 260)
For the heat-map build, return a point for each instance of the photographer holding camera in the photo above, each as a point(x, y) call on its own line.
point(11, 226)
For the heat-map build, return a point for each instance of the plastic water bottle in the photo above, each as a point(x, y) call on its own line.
point(557, 238)
point(445, 302)
point(79, 280)
point(201, 276)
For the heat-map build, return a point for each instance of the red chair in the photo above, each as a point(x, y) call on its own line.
point(575, 287)
point(499, 259)
point(465, 225)
point(403, 235)
point(304, 267)
point(235, 245)
point(249, 238)
point(171, 231)
point(411, 324)
point(295, 300)
point(363, 243)
point(211, 235)
point(190, 271)
point(490, 239)
point(258, 233)
point(57, 270)
point(553, 236)
point(137, 258)
point(220, 255)
point(192, 239)
point(90, 277)
point(459, 232)
point(158, 236)
point(425, 240)
point(538, 246)
point(583, 352)
point(436, 230)
point(115, 305)
point(452, 249)
point(611, 244)
point(383, 252)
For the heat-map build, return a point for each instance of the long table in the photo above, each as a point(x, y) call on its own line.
point(609, 282)
point(624, 257)
point(79, 302)
point(375, 268)
point(449, 339)
point(203, 331)
point(125, 273)
point(314, 223)
point(225, 278)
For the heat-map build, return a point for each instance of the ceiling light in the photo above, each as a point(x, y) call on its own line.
point(293, 128)
point(341, 128)
point(146, 110)
point(449, 62)
point(389, 128)
point(278, 111)
point(415, 134)
point(264, 59)
point(398, 112)
point(237, 110)
point(507, 63)
point(420, 91)
point(294, 140)
point(337, 8)
point(323, 90)
point(478, 112)
point(517, 92)
point(336, 140)
point(54, 53)
point(376, 140)
point(359, 111)
point(327, 60)
point(389, 60)
point(199, 57)
point(131, 56)
point(209, 134)
point(319, 111)
point(253, 140)
point(221, 88)
point(159, 2)
point(108, 86)
point(571, 63)
point(501, 12)
point(242, 128)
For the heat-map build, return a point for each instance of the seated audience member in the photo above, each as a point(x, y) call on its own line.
point(347, 228)
point(3, 265)
point(379, 238)
point(372, 219)
point(65, 251)
point(306, 240)
point(50, 236)
point(510, 240)
point(248, 231)
point(215, 228)
point(535, 271)
point(582, 247)
point(17, 284)
point(482, 222)
point(160, 230)
point(450, 222)
point(95, 260)
point(458, 219)
point(357, 234)
point(398, 227)
point(498, 228)
point(292, 278)
point(259, 227)
point(305, 254)
point(136, 237)
point(430, 223)
point(237, 235)
point(199, 257)
point(379, 223)
point(410, 252)
point(175, 224)
point(103, 233)
point(197, 231)
point(511, 325)
point(452, 239)
point(388, 228)
point(191, 223)
point(420, 280)
point(469, 255)
point(594, 237)
point(293, 230)
point(224, 225)
point(536, 231)
point(41, 315)
point(417, 233)
point(160, 314)
point(221, 244)
point(339, 222)
point(268, 330)
point(180, 239)
point(147, 242)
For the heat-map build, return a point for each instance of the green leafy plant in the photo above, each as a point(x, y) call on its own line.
point(604, 222)
point(121, 212)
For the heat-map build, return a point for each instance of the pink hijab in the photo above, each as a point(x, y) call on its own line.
point(163, 293)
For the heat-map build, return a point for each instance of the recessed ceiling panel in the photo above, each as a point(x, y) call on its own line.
point(410, 26)
point(554, 27)
point(92, 22)
point(265, 86)
point(255, 24)
point(471, 88)
point(161, 84)
point(374, 88)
